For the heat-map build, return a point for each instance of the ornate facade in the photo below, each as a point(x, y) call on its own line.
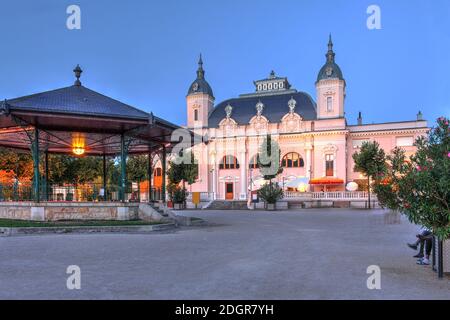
point(315, 140)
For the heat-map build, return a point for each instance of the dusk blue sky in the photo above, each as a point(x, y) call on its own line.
point(145, 53)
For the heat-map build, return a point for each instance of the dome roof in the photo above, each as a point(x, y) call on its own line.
point(200, 85)
point(330, 70)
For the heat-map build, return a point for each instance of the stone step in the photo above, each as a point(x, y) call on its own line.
point(228, 205)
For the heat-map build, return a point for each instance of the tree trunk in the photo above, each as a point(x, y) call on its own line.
point(368, 190)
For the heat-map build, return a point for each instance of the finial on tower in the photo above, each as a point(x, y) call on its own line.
point(360, 119)
point(78, 73)
point(330, 54)
point(200, 71)
point(419, 116)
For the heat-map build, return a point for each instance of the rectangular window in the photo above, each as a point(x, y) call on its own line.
point(329, 104)
point(405, 141)
point(329, 165)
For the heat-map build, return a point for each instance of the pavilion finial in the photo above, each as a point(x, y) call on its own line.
point(78, 73)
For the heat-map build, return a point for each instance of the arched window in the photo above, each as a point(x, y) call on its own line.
point(254, 162)
point(229, 162)
point(196, 115)
point(292, 160)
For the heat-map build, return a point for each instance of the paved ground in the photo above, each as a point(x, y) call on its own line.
point(312, 254)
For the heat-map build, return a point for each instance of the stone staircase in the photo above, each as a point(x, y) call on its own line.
point(153, 212)
point(227, 205)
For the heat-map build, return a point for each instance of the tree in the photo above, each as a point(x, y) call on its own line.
point(21, 164)
point(371, 161)
point(137, 167)
point(422, 188)
point(183, 168)
point(387, 187)
point(269, 159)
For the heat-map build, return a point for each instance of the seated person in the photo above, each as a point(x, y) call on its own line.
point(425, 240)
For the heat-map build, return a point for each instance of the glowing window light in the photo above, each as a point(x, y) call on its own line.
point(78, 144)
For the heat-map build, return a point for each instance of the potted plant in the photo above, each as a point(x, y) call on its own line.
point(179, 198)
point(271, 193)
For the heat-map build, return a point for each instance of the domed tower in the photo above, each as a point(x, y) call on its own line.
point(200, 100)
point(330, 88)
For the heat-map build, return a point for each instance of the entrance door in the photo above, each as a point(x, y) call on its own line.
point(229, 194)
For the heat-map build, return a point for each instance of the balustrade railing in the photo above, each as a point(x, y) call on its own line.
point(23, 191)
point(337, 195)
point(204, 196)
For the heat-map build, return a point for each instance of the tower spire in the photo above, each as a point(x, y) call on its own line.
point(200, 71)
point(330, 54)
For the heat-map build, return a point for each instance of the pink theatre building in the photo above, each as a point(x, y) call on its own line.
point(315, 139)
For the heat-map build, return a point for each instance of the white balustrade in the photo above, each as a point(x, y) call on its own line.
point(336, 195)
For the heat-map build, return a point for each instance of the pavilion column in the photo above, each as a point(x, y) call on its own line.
point(46, 188)
point(214, 181)
point(35, 155)
point(163, 162)
point(308, 162)
point(123, 168)
point(104, 177)
point(149, 174)
point(243, 166)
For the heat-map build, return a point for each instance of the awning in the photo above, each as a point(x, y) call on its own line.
point(326, 181)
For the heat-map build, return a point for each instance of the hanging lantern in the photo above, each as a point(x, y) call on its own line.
point(78, 144)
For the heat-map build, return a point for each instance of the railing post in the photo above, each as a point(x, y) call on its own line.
point(35, 156)
point(46, 188)
point(163, 187)
point(149, 174)
point(104, 178)
point(123, 168)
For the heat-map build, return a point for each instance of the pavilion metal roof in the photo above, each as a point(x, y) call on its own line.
point(76, 99)
point(60, 113)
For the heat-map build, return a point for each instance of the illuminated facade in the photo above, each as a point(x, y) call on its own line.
point(315, 139)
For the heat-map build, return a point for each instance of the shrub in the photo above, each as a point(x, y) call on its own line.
point(271, 193)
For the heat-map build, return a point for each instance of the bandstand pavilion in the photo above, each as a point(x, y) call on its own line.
point(79, 121)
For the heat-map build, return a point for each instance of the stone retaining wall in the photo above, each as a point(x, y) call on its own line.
point(68, 211)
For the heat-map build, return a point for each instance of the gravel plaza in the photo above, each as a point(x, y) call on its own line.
point(307, 254)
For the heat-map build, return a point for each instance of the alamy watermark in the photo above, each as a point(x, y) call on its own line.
point(374, 19)
point(374, 280)
point(73, 21)
point(74, 280)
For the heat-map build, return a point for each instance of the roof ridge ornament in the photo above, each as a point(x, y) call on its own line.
point(228, 110)
point(4, 108)
point(259, 108)
point(78, 71)
point(151, 119)
point(292, 103)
